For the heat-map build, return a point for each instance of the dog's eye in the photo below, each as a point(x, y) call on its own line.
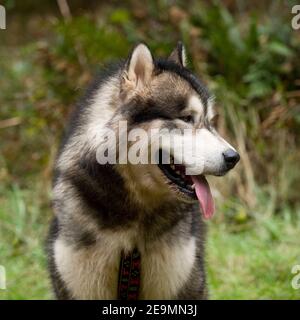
point(215, 121)
point(188, 119)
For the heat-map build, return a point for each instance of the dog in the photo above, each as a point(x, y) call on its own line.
point(105, 212)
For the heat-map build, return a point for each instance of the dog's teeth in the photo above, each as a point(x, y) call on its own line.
point(193, 186)
point(178, 172)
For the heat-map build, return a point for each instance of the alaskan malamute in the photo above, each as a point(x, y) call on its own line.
point(109, 214)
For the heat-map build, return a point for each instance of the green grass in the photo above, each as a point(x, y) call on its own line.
point(255, 263)
point(252, 263)
point(24, 222)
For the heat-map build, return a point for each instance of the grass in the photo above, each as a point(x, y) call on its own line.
point(24, 220)
point(256, 263)
point(244, 262)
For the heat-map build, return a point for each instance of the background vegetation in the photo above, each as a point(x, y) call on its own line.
point(246, 52)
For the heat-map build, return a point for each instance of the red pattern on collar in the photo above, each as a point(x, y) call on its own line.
point(129, 275)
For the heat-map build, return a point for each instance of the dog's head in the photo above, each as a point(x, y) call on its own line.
point(164, 94)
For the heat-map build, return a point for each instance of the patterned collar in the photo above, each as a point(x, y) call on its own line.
point(129, 275)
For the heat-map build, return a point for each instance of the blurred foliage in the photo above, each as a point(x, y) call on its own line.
point(248, 59)
point(246, 52)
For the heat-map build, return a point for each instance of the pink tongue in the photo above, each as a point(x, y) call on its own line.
point(204, 196)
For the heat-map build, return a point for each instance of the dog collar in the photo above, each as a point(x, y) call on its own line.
point(129, 275)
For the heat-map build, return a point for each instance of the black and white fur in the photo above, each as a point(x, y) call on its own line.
point(101, 210)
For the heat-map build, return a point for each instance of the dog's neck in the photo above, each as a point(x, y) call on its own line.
point(116, 204)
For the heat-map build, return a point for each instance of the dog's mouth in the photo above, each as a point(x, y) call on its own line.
point(195, 187)
point(176, 174)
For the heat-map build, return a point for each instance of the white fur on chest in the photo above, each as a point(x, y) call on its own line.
point(166, 268)
point(92, 273)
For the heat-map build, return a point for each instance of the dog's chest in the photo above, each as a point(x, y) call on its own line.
point(93, 273)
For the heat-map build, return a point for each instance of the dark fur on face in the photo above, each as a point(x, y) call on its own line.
point(178, 83)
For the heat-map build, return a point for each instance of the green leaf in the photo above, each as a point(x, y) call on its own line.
point(280, 49)
point(120, 16)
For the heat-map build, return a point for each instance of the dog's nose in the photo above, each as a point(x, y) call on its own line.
point(231, 158)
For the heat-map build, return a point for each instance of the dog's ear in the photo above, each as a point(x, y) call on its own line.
point(178, 55)
point(139, 68)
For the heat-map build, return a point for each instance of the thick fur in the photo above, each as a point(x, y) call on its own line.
point(101, 210)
